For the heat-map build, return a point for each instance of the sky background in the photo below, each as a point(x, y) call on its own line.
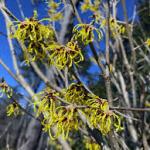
point(28, 12)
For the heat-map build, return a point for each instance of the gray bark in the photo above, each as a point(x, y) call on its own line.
point(32, 136)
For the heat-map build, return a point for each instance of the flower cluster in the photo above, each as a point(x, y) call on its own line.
point(54, 10)
point(47, 102)
point(13, 109)
point(93, 6)
point(35, 36)
point(5, 89)
point(115, 27)
point(148, 42)
point(97, 110)
point(62, 56)
point(90, 144)
point(64, 118)
point(75, 94)
point(89, 5)
point(100, 116)
point(40, 43)
point(85, 33)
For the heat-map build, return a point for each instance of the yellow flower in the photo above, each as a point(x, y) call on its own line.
point(147, 104)
point(4, 88)
point(105, 123)
point(53, 5)
point(85, 5)
point(85, 33)
point(115, 27)
point(89, 5)
point(46, 105)
point(65, 120)
point(100, 116)
point(35, 36)
point(90, 144)
point(75, 94)
point(117, 122)
point(13, 109)
point(148, 42)
point(64, 56)
point(56, 16)
point(54, 12)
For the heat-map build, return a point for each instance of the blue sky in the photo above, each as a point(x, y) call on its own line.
point(28, 11)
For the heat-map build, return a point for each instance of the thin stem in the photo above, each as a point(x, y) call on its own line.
point(131, 109)
point(43, 77)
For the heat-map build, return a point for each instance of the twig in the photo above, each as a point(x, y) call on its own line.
point(8, 70)
point(6, 129)
point(75, 11)
point(43, 77)
point(131, 109)
point(129, 32)
point(24, 110)
point(79, 79)
point(3, 8)
point(20, 9)
point(66, 77)
point(126, 116)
